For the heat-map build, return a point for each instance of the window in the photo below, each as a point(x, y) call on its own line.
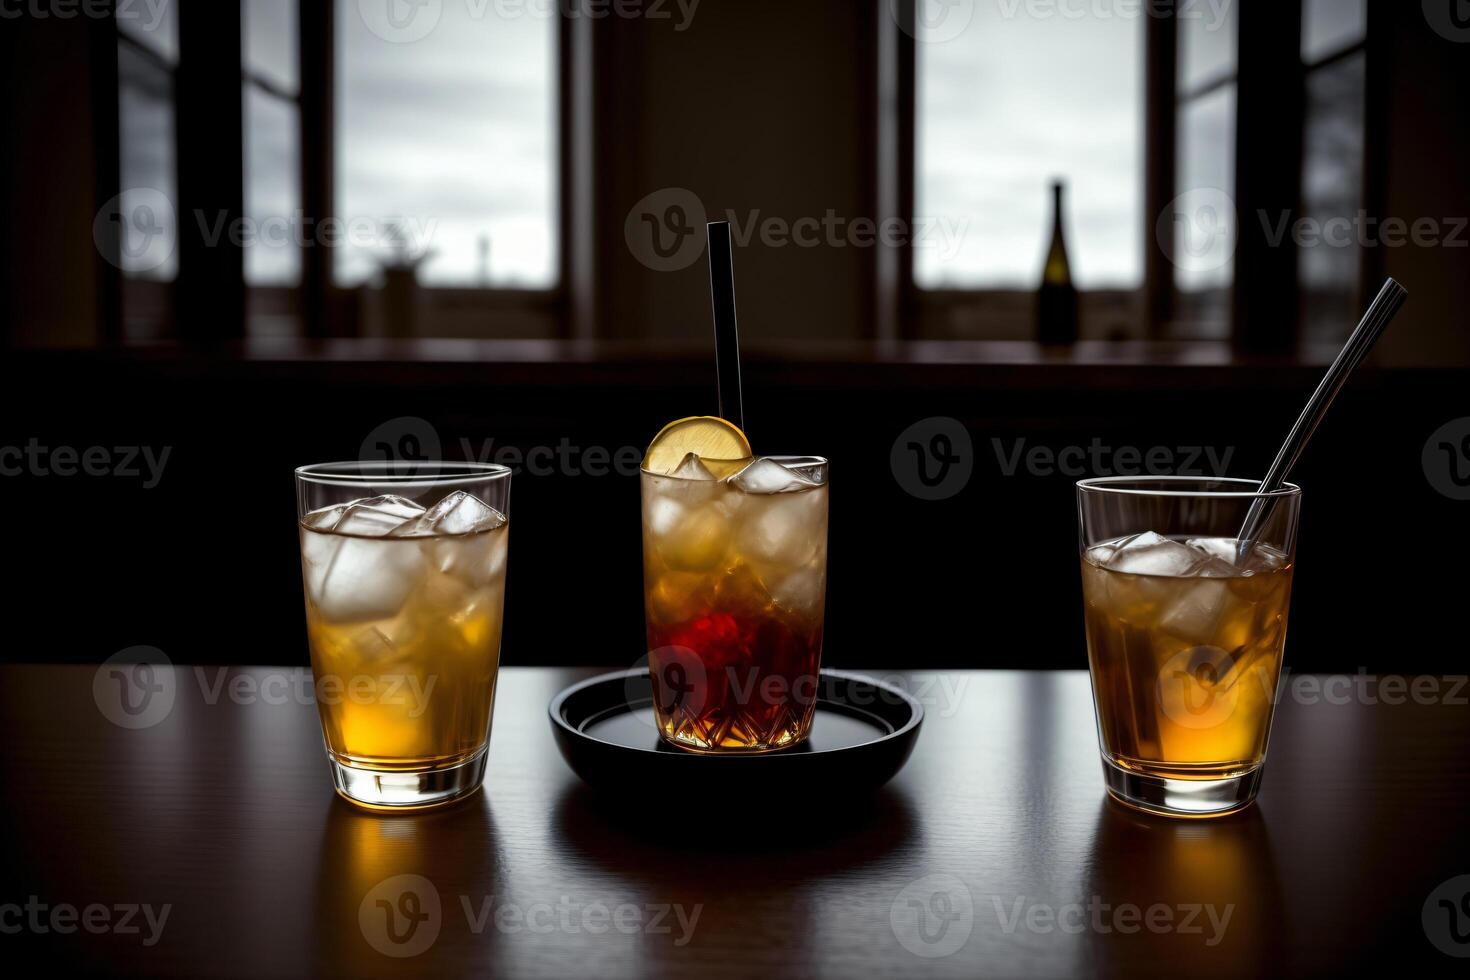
point(1020, 98)
point(447, 158)
point(1327, 242)
point(145, 218)
point(272, 166)
point(1205, 103)
point(1334, 34)
point(446, 168)
point(1028, 92)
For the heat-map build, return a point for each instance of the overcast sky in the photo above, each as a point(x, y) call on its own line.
point(1011, 103)
point(455, 132)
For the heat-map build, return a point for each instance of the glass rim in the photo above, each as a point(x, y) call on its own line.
point(1132, 486)
point(416, 473)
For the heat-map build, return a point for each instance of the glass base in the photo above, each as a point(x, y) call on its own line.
point(734, 732)
point(704, 748)
point(1181, 797)
point(387, 790)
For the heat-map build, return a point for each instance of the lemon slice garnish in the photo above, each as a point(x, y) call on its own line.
point(714, 440)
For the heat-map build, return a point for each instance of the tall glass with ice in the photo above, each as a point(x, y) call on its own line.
point(404, 573)
point(735, 582)
point(1186, 625)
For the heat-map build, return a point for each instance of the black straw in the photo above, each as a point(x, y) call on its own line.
point(727, 333)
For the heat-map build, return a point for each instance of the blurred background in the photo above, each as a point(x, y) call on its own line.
point(983, 247)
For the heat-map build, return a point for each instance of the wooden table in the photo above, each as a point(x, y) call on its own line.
point(994, 846)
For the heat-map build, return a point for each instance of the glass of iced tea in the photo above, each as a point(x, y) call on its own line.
point(1186, 625)
point(404, 571)
point(735, 583)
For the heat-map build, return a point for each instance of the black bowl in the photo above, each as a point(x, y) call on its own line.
point(863, 733)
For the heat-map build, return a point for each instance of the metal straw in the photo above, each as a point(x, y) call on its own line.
point(1385, 307)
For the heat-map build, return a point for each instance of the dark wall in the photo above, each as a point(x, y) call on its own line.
point(204, 565)
point(57, 153)
point(759, 110)
point(1427, 89)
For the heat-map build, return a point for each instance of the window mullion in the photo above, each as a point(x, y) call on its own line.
point(1268, 155)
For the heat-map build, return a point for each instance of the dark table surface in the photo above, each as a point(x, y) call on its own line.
point(994, 853)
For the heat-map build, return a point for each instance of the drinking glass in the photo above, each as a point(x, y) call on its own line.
point(735, 586)
point(1186, 627)
point(404, 574)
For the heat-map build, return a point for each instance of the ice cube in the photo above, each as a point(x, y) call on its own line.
point(317, 553)
point(1207, 612)
point(693, 468)
point(357, 579)
point(1267, 559)
point(1262, 558)
point(458, 513)
point(801, 591)
point(768, 476)
point(1218, 560)
point(664, 515)
point(375, 646)
point(1153, 554)
point(743, 593)
point(325, 518)
point(1265, 585)
point(698, 540)
point(678, 597)
point(1221, 548)
point(353, 572)
point(784, 530)
point(377, 517)
point(476, 559)
point(1213, 567)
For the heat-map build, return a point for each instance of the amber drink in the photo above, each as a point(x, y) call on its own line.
point(735, 579)
point(1186, 629)
point(404, 601)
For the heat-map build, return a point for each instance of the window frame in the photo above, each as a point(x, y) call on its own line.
point(560, 308)
point(121, 289)
point(251, 80)
point(906, 310)
point(209, 295)
point(916, 313)
point(1175, 100)
point(1367, 263)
